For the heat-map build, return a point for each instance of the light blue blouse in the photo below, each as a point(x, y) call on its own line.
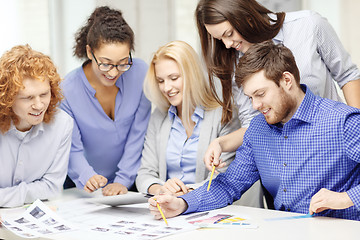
point(100, 145)
point(181, 153)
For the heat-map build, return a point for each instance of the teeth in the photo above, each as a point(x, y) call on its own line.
point(264, 112)
point(111, 78)
point(36, 114)
point(172, 94)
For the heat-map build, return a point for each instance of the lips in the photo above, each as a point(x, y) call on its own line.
point(36, 114)
point(110, 78)
point(172, 94)
point(265, 111)
point(238, 46)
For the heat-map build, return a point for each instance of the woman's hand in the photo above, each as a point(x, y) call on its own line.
point(95, 182)
point(114, 189)
point(212, 155)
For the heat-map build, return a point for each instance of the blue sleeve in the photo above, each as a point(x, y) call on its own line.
point(352, 143)
point(79, 169)
point(130, 161)
point(226, 187)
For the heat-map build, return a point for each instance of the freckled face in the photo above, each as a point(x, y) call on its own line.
point(31, 103)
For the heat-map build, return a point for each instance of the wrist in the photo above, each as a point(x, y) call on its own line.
point(154, 189)
point(347, 200)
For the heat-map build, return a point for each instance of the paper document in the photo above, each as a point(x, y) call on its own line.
point(123, 199)
point(38, 220)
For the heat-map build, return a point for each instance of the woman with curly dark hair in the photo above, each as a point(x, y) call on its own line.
point(35, 136)
point(105, 98)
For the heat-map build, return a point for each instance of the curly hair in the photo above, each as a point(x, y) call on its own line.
point(19, 63)
point(105, 25)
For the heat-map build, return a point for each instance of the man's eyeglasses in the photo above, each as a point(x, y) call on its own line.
point(105, 67)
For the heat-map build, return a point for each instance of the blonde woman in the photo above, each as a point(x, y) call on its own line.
point(186, 119)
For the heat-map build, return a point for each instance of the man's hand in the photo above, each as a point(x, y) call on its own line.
point(212, 155)
point(95, 182)
point(326, 199)
point(114, 189)
point(171, 206)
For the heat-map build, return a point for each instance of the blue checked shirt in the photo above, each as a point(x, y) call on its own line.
point(318, 148)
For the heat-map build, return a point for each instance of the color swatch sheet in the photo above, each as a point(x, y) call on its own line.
point(223, 221)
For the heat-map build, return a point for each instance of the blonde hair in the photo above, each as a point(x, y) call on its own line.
point(196, 89)
point(23, 62)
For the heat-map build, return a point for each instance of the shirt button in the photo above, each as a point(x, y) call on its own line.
point(289, 209)
point(284, 190)
point(284, 164)
point(286, 137)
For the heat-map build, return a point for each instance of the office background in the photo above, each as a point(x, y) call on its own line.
point(49, 25)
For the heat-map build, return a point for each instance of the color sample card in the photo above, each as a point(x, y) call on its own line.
point(223, 221)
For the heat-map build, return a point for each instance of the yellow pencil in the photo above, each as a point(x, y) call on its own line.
point(162, 214)
point(211, 176)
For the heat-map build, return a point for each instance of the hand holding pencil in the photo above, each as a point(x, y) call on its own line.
point(166, 206)
point(212, 156)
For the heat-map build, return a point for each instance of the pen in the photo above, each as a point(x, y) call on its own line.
point(162, 214)
point(211, 176)
point(196, 216)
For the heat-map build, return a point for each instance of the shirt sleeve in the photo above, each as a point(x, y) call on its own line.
point(79, 169)
point(352, 141)
point(130, 161)
point(226, 157)
point(149, 173)
point(48, 185)
point(226, 129)
point(332, 52)
point(226, 187)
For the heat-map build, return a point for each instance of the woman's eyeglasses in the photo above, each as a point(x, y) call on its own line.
point(105, 67)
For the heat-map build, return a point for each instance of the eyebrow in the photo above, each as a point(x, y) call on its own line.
point(261, 89)
point(30, 95)
point(224, 32)
point(110, 60)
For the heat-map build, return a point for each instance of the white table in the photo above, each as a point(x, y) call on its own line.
point(306, 228)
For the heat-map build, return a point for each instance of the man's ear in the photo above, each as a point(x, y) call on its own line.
point(287, 80)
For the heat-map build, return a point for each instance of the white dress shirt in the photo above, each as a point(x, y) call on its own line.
point(33, 164)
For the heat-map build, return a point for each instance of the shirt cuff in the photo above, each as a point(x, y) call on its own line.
point(84, 177)
point(192, 202)
point(354, 195)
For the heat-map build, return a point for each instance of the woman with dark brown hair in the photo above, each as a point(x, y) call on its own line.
point(227, 29)
point(106, 100)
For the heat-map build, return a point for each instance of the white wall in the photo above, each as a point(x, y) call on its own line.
point(24, 22)
point(49, 25)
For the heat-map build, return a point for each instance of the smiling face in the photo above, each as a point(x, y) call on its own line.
point(273, 101)
point(108, 53)
point(228, 35)
point(31, 103)
point(170, 81)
